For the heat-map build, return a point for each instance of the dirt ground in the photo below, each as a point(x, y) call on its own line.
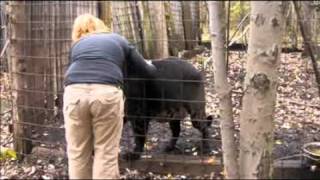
point(297, 121)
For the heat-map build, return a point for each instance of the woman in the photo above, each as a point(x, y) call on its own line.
point(93, 100)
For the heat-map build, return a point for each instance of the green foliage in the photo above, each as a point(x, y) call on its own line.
point(238, 10)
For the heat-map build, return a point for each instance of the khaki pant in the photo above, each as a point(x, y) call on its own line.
point(93, 115)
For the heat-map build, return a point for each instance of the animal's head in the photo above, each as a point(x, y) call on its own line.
point(209, 120)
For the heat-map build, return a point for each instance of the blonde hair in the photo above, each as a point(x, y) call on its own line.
point(86, 24)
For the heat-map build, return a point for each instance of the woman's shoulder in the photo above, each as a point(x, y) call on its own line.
point(113, 34)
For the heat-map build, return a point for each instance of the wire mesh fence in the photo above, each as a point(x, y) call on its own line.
point(41, 38)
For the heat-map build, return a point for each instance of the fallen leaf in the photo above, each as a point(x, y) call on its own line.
point(33, 170)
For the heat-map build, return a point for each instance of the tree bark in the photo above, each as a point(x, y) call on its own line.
point(307, 11)
point(195, 21)
point(115, 17)
point(204, 22)
point(126, 21)
point(158, 21)
point(41, 81)
point(188, 24)
point(17, 11)
point(256, 118)
point(292, 26)
point(135, 25)
point(316, 27)
point(154, 29)
point(122, 20)
point(106, 13)
point(175, 28)
point(223, 89)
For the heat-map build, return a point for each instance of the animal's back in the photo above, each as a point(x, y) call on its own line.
point(176, 69)
point(179, 79)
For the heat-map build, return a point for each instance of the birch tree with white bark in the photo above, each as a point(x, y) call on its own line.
point(223, 89)
point(256, 118)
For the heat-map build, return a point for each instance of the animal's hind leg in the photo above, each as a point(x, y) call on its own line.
point(175, 130)
point(140, 129)
point(199, 122)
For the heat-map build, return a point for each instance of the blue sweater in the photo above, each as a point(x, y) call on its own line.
point(100, 57)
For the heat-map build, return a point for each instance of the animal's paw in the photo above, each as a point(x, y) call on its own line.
point(131, 156)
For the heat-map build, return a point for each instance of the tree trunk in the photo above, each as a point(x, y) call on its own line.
point(17, 11)
point(307, 11)
point(126, 21)
point(316, 28)
point(204, 22)
point(175, 27)
point(135, 25)
point(188, 25)
point(218, 31)
point(121, 19)
point(195, 21)
point(256, 119)
point(115, 17)
point(40, 64)
point(154, 29)
point(106, 13)
point(158, 21)
point(148, 43)
point(3, 36)
point(292, 26)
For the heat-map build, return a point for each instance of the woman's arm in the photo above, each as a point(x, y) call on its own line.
point(137, 60)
